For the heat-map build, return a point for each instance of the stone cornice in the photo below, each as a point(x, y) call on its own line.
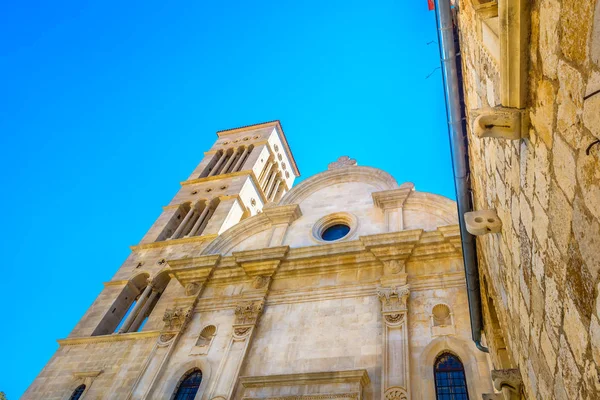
point(193, 270)
point(173, 242)
point(282, 214)
point(366, 252)
point(395, 198)
point(215, 177)
point(116, 283)
point(248, 172)
point(108, 338)
point(354, 376)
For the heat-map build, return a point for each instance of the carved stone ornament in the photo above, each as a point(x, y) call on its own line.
point(175, 318)
point(241, 331)
point(192, 289)
point(166, 337)
point(510, 378)
point(248, 312)
point(392, 267)
point(393, 299)
point(394, 318)
point(260, 281)
point(395, 393)
point(342, 162)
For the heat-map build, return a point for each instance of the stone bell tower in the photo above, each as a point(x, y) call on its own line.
point(245, 169)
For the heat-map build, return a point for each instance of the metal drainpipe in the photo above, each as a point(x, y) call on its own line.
point(460, 162)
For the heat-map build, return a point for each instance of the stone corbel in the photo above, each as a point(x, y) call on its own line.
point(260, 265)
point(281, 217)
point(393, 250)
point(192, 273)
point(486, 9)
point(392, 204)
point(500, 122)
point(509, 382)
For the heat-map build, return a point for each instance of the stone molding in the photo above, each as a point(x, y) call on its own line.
point(351, 376)
point(87, 374)
point(343, 396)
point(173, 242)
point(379, 178)
point(108, 338)
point(395, 198)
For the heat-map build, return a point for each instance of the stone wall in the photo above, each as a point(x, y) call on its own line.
point(542, 269)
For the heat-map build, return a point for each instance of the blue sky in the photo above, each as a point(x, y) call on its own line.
point(106, 106)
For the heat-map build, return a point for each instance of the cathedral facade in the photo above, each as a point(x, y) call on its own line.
point(345, 286)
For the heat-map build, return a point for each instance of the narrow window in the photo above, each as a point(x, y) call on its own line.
point(450, 382)
point(188, 387)
point(77, 393)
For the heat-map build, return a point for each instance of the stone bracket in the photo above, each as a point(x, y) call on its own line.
point(507, 379)
point(501, 123)
point(482, 222)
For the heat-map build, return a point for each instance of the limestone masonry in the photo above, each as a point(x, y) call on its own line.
point(538, 60)
point(346, 286)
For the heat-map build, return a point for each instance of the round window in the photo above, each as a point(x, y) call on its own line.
point(335, 232)
point(334, 227)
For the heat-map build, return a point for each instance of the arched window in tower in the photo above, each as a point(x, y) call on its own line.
point(450, 382)
point(77, 392)
point(189, 385)
point(133, 306)
point(208, 171)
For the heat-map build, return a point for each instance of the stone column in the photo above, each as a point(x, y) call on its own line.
point(196, 226)
point(218, 164)
point(246, 318)
point(231, 158)
point(268, 168)
point(183, 223)
point(240, 160)
point(143, 312)
point(275, 188)
point(395, 379)
point(140, 303)
point(270, 184)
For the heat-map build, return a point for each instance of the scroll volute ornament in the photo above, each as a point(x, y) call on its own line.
point(175, 318)
point(393, 299)
point(248, 312)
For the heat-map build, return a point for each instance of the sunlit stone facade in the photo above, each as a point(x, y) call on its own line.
point(235, 282)
point(539, 60)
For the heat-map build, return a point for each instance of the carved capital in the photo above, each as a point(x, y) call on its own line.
point(393, 299)
point(248, 312)
point(507, 378)
point(175, 318)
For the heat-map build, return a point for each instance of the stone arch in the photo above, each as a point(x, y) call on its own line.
point(435, 204)
point(378, 178)
point(175, 373)
point(465, 351)
point(237, 233)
